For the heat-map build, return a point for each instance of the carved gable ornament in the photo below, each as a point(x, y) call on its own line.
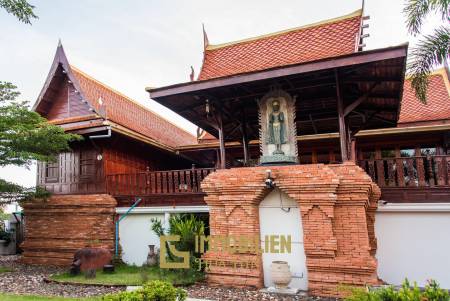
point(277, 129)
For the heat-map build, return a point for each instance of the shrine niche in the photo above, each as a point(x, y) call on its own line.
point(278, 132)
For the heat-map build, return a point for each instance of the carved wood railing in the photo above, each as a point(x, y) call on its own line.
point(420, 171)
point(157, 182)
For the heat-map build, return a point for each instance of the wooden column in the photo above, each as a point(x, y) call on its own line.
point(353, 149)
point(245, 138)
point(221, 141)
point(341, 117)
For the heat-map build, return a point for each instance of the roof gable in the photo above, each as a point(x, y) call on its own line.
point(69, 93)
point(438, 100)
point(130, 114)
point(321, 40)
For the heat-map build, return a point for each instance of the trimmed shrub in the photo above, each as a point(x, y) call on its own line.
point(152, 291)
point(431, 292)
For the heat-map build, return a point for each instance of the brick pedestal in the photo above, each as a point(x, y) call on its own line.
point(337, 204)
point(56, 228)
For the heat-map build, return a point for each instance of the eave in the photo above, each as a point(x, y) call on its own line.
point(328, 63)
point(363, 133)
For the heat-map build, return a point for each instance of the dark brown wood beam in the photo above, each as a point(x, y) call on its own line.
point(245, 139)
point(313, 124)
point(221, 140)
point(357, 102)
point(341, 118)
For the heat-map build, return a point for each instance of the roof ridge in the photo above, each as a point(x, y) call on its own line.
point(298, 28)
point(127, 98)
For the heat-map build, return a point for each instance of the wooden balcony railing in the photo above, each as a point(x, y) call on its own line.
point(405, 172)
point(157, 182)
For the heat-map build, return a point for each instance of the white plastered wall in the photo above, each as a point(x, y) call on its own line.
point(135, 233)
point(413, 242)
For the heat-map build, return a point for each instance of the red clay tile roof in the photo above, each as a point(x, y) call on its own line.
point(130, 114)
point(438, 100)
point(321, 40)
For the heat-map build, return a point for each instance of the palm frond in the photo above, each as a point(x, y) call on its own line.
point(432, 50)
point(417, 10)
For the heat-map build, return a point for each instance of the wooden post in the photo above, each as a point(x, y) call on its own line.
point(245, 138)
point(380, 167)
point(353, 149)
point(341, 117)
point(314, 156)
point(221, 141)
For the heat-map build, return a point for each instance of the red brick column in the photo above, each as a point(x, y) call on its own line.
point(337, 204)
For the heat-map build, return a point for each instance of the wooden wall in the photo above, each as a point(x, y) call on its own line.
point(81, 172)
point(77, 171)
point(66, 103)
point(124, 155)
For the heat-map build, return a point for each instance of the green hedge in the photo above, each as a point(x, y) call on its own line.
point(431, 292)
point(152, 291)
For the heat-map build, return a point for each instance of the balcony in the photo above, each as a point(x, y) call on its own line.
point(411, 179)
point(173, 187)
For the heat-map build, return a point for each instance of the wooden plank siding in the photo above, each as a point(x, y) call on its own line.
point(79, 172)
point(84, 169)
point(66, 103)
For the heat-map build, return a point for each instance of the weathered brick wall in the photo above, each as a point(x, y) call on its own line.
point(337, 204)
point(56, 228)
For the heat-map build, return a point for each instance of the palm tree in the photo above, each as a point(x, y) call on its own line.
point(433, 49)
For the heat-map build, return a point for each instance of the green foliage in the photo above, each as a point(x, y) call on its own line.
point(417, 10)
point(432, 49)
point(152, 291)
point(187, 226)
point(133, 275)
point(432, 292)
point(20, 9)
point(25, 136)
point(5, 235)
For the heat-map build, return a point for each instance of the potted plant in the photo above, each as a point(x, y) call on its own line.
point(5, 237)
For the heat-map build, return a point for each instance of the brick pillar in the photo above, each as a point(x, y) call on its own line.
point(337, 204)
point(56, 228)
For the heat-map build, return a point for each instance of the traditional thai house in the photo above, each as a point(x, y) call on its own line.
point(351, 132)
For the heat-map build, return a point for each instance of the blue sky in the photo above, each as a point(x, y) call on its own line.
point(133, 44)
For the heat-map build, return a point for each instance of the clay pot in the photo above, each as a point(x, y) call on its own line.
point(281, 274)
point(151, 257)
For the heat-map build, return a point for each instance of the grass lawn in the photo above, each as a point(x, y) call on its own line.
point(5, 270)
point(132, 275)
point(6, 297)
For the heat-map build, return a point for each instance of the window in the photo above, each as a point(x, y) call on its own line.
point(52, 171)
point(87, 165)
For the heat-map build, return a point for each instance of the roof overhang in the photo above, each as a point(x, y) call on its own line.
point(188, 99)
point(363, 57)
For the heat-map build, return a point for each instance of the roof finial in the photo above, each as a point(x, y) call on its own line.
point(59, 42)
point(205, 37)
point(192, 75)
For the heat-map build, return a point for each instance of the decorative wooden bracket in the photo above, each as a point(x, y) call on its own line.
point(357, 102)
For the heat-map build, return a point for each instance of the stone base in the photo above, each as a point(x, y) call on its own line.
point(277, 159)
point(337, 204)
point(282, 291)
